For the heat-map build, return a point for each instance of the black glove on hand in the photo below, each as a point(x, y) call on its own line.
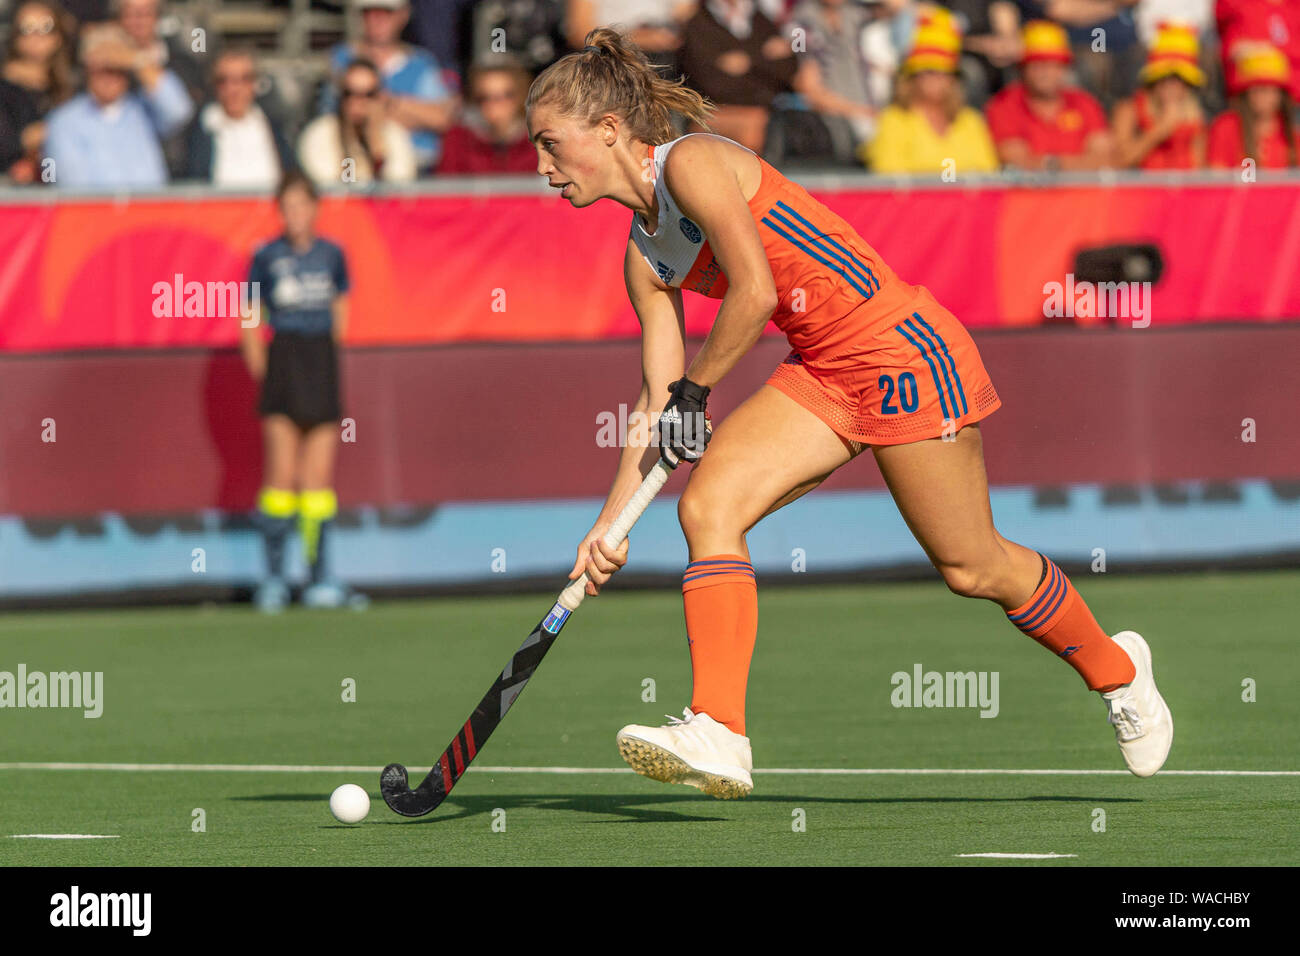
point(684, 426)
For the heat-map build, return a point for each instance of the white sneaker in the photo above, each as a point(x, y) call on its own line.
point(1144, 727)
point(697, 751)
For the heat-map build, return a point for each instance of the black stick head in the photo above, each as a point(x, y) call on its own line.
point(393, 784)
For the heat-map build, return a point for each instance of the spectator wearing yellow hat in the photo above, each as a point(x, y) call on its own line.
point(1258, 122)
point(1041, 122)
point(929, 129)
point(1163, 125)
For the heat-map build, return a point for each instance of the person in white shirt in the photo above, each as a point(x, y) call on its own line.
point(232, 142)
point(358, 142)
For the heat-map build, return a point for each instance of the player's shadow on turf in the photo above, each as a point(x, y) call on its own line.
point(627, 808)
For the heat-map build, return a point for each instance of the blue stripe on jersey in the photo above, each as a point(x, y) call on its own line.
point(825, 242)
point(866, 293)
point(942, 367)
point(951, 364)
point(938, 386)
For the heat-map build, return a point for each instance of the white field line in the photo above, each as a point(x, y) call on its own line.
point(63, 836)
point(1020, 856)
point(799, 771)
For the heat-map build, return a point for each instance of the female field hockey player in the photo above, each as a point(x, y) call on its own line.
point(876, 363)
point(302, 284)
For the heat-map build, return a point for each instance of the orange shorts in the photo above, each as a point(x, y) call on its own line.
point(914, 377)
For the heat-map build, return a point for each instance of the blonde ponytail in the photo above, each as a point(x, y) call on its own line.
point(612, 75)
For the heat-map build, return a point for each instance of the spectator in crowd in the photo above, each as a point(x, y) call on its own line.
point(653, 25)
point(492, 137)
point(1199, 15)
point(1260, 123)
point(1042, 123)
point(442, 28)
point(110, 135)
point(232, 141)
point(141, 19)
point(848, 58)
point(1163, 125)
point(929, 129)
point(359, 142)
point(735, 55)
point(36, 77)
point(1252, 22)
point(990, 45)
point(418, 98)
point(531, 30)
point(1103, 35)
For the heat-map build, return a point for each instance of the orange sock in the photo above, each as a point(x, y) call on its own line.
point(1057, 617)
point(721, 598)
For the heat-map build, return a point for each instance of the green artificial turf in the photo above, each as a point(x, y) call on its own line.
point(227, 686)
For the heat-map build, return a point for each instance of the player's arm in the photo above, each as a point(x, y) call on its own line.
point(706, 187)
point(663, 356)
point(340, 310)
point(252, 341)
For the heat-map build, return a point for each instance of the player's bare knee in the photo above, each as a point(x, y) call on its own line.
point(969, 579)
point(699, 512)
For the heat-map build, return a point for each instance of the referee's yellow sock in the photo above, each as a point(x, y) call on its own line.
point(316, 511)
point(276, 508)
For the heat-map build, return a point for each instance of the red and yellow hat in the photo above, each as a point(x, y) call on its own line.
point(936, 46)
point(1044, 40)
point(1259, 64)
point(1175, 52)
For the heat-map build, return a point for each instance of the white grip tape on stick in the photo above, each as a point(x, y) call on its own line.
point(653, 483)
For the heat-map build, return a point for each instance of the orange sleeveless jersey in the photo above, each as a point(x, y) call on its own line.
point(876, 358)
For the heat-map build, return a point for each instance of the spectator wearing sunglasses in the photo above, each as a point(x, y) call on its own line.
point(233, 142)
point(36, 77)
point(359, 142)
point(493, 136)
point(418, 96)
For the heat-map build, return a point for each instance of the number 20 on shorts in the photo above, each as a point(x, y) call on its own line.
point(908, 396)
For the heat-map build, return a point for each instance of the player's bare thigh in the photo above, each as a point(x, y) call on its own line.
point(765, 454)
point(942, 492)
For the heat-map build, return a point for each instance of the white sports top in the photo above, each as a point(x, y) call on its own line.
point(676, 243)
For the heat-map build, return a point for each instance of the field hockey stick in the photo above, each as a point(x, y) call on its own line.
point(464, 747)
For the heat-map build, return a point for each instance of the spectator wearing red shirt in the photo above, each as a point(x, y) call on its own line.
point(1040, 122)
point(1163, 126)
point(1257, 124)
point(1272, 22)
point(493, 136)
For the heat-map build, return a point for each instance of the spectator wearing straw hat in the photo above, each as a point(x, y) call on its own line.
point(929, 129)
point(110, 136)
point(1041, 122)
point(1258, 123)
point(1163, 125)
point(1252, 22)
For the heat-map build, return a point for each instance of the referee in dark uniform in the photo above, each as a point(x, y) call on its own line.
point(302, 291)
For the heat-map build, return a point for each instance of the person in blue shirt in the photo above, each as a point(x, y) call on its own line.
point(110, 136)
point(299, 287)
point(417, 95)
